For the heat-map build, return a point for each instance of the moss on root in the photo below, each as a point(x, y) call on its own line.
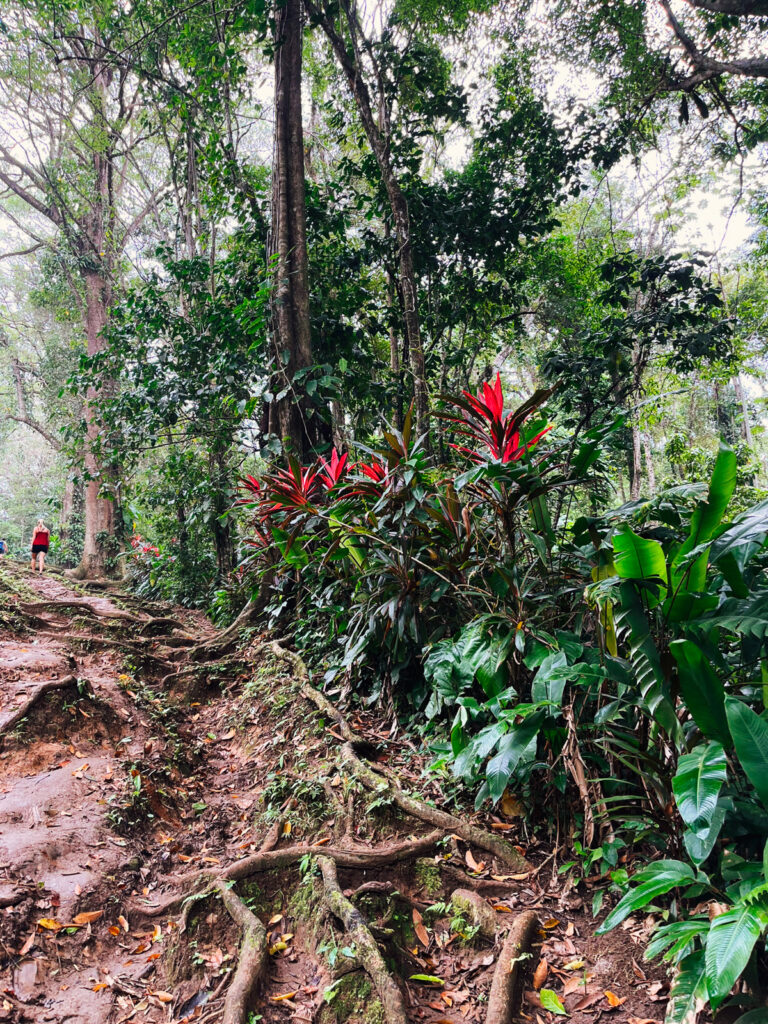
point(427, 874)
point(351, 1000)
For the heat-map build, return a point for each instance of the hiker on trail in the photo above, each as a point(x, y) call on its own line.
point(40, 539)
point(3, 548)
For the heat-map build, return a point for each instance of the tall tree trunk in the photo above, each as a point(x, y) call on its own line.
point(291, 323)
point(650, 469)
point(100, 546)
point(378, 135)
point(636, 466)
point(741, 398)
point(218, 473)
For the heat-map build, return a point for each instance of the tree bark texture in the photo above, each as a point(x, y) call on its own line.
point(291, 322)
point(100, 512)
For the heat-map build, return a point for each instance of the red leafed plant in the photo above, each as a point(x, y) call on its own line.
point(333, 472)
point(483, 421)
point(295, 487)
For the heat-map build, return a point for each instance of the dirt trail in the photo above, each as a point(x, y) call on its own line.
point(172, 831)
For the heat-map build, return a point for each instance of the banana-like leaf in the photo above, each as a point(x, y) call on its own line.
point(514, 748)
point(697, 783)
point(700, 842)
point(730, 942)
point(706, 518)
point(702, 689)
point(638, 558)
point(745, 618)
point(750, 529)
point(750, 738)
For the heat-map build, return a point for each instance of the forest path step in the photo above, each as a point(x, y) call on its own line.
point(139, 824)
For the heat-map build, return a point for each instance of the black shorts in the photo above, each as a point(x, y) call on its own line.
point(37, 548)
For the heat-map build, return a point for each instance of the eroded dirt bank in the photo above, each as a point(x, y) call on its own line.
point(192, 834)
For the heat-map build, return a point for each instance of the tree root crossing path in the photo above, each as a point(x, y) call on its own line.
point(191, 831)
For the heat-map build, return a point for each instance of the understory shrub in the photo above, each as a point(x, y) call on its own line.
point(606, 667)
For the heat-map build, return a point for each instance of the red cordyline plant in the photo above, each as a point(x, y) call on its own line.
point(333, 472)
point(484, 422)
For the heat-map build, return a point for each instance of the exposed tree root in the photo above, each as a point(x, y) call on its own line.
point(81, 606)
point(411, 805)
point(137, 646)
point(434, 816)
point(268, 860)
point(198, 670)
point(461, 878)
point(366, 949)
point(515, 953)
point(251, 962)
point(85, 607)
point(388, 853)
point(272, 837)
point(13, 719)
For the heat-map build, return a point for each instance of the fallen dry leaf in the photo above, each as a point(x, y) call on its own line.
point(472, 864)
point(613, 999)
point(275, 919)
point(540, 974)
point(86, 917)
point(421, 932)
point(123, 923)
point(285, 995)
point(588, 1000)
point(50, 924)
point(164, 997)
point(574, 965)
point(511, 807)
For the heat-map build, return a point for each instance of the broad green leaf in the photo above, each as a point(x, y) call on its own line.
point(759, 1016)
point(675, 939)
point(706, 518)
point(638, 558)
point(551, 1001)
point(702, 690)
point(513, 749)
point(700, 842)
point(544, 687)
point(750, 737)
point(427, 979)
point(697, 783)
point(688, 995)
point(730, 942)
point(655, 880)
point(290, 548)
point(748, 529)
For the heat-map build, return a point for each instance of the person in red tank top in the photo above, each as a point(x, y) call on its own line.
point(40, 538)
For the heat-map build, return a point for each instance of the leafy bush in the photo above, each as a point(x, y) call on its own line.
point(615, 656)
